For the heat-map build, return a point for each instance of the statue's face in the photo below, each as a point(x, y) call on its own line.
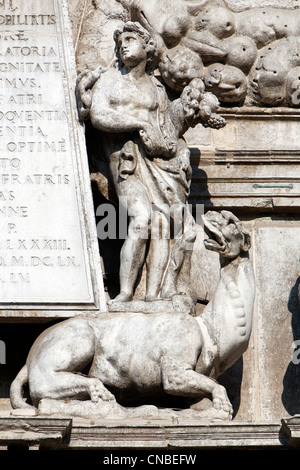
point(131, 49)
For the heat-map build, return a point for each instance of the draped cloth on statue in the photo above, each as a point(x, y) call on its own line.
point(164, 174)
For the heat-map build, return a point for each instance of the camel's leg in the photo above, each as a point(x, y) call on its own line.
point(181, 381)
point(56, 360)
point(61, 385)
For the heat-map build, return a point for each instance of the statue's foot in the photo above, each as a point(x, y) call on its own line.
point(151, 298)
point(122, 297)
point(168, 293)
point(221, 400)
point(98, 391)
point(169, 289)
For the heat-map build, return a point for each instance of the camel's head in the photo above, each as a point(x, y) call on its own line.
point(226, 234)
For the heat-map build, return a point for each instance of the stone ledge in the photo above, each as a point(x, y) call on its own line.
point(291, 428)
point(34, 432)
point(186, 435)
point(78, 434)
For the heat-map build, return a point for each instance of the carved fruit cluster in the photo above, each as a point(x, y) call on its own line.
point(215, 121)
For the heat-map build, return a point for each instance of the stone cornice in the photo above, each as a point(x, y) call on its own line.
point(78, 433)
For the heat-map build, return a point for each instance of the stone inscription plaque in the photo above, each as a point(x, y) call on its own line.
point(48, 252)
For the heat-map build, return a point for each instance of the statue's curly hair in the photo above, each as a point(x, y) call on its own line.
point(137, 28)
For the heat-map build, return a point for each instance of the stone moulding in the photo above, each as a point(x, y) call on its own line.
point(291, 428)
point(33, 433)
point(257, 156)
point(250, 163)
point(75, 434)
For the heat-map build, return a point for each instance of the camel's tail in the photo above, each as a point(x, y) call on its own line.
point(16, 389)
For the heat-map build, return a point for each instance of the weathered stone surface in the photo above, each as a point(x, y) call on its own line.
point(277, 318)
point(48, 250)
point(240, 5)
point(93, 24)
point(32, 432)
point(251, 168)
point(265, 383)
point(156, 356)
point(178, 434)
point(291, 429)
point(142, 154)
point(234, 52)
point(114, 411)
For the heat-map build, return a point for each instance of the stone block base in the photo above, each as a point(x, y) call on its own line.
point(37, 432)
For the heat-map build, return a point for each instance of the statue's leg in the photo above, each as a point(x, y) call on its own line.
point(184, 276)
point(134, 247)
point(61, 385)
point(56, 361)
point(181, 381)
point(158, 255)
point(180, 258)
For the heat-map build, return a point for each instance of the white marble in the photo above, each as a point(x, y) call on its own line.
point(48, 248)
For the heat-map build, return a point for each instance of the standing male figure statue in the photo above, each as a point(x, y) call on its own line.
point(142, 143)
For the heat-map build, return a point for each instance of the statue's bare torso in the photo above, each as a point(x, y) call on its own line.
point(133, 103)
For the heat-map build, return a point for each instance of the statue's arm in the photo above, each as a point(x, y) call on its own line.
point(94, 90)
point(115, 118)
point(195, 106)
point(178, 116)
point(85, 82)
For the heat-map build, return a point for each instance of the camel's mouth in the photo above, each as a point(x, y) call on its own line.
point(215, 240)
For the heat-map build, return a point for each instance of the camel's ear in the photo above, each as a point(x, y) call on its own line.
point(246, 235)
point(232, 219)
point(247, 240)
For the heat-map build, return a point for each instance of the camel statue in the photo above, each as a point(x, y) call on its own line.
point(141, 358)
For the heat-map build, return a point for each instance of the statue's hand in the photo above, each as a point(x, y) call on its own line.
point(85, 82)
point(156, 143)
point(200, 106)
